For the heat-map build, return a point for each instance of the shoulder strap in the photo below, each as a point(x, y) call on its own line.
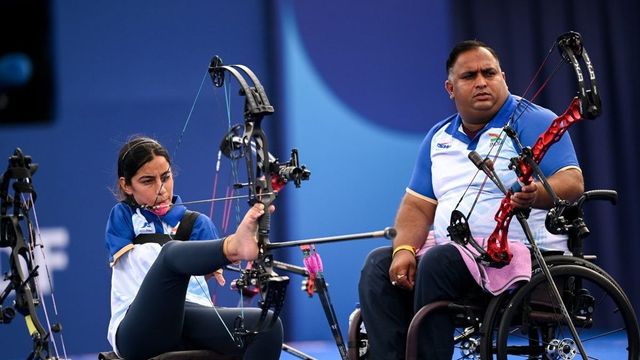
point(186, 225)
point(154, 238)
point(182, 233)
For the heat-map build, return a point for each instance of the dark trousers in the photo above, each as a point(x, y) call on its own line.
point(160, 321)
point(388, 310)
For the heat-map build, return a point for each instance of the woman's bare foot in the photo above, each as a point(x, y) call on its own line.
point(243, 244)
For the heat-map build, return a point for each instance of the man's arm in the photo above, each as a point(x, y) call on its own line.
point(567, 184)
point(414, 218)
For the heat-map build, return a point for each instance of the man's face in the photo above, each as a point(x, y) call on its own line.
point(477, 85)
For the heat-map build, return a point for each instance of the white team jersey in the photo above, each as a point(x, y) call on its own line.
point(443, 172)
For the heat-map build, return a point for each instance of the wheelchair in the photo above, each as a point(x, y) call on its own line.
point(527, 321)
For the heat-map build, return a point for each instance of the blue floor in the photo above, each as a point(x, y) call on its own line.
point(326, 350)
point(316, 349)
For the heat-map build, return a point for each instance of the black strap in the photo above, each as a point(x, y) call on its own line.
point(186, 225)
point(182, 233)
point(152, 238)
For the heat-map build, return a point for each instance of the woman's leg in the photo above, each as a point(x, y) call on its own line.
point(154, 321)
point(203, 329)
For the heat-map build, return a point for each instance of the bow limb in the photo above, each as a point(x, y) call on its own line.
point(571, 47)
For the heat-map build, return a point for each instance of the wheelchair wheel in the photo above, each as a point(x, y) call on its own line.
point(358, 343)
point(533, 327)
point(572, 260)
point(491, 323)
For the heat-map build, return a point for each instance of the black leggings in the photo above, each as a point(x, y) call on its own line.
point(159, 320)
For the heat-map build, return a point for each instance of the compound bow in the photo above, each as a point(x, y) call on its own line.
point(585, 105)
point(266, 176)
point(18, 232)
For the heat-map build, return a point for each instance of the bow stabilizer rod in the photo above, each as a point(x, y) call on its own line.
point(388, 233)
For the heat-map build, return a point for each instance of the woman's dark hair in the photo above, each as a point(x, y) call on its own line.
point(463, 47)
point(135, 153)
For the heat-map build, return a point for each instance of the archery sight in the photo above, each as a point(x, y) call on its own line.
point(233, 147)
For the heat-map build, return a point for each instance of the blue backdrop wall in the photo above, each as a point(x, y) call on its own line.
point(355, 86)
point(359, 97)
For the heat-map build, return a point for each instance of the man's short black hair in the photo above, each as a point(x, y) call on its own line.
point(465, 46)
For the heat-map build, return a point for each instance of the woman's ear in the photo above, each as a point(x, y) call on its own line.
point(123, 185)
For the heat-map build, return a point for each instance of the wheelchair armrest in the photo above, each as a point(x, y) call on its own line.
point(546, 253)
point(610, 195)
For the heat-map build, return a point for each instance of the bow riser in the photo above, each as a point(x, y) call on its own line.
point(498, 243)
point(552, 135)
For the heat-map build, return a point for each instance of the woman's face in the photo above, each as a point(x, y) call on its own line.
point(152, 185)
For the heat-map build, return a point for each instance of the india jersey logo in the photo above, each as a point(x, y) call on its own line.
point(493, 138)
